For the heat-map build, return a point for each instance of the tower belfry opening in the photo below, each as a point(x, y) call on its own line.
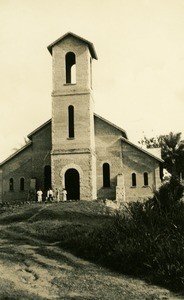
point(70, 63)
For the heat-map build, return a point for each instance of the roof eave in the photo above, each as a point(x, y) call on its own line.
point(38, 128)
point(16, 153)
point(90, 45)
point(112, 124)
point(144, 151)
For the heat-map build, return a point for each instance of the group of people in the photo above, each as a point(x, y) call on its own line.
point(52, 195)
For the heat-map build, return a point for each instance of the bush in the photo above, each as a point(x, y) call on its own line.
point(141, 240)
point(169, 194)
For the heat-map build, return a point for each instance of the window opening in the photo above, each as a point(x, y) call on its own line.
point(22, 184)
point(71, 121)
point(145, 179)
point(70, 68)
point(11, 184)
point(134, 180)
point(106, 175)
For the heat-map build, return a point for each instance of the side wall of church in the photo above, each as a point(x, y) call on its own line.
point(16, 168)
point(136, 161)
point(28, 163)
point(108, 150)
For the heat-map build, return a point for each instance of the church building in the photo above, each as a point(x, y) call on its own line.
point(77, 149)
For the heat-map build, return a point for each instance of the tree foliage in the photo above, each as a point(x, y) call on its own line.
point(169, 194)
point(172, 150)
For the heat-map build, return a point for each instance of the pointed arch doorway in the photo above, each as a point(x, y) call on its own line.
point(72, 184)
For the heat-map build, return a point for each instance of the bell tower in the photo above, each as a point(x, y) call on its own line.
point(73, 143)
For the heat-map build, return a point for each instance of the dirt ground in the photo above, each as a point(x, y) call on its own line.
point(44, 271)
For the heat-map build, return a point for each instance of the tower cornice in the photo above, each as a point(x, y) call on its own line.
point(58, 94)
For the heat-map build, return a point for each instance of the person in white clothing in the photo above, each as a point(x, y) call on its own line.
point(64, 195)
point(39, 195)
point(50, 195)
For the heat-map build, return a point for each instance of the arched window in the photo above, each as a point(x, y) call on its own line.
point(134, 181)
point(22, 184)
point(70, 63)
point(71, 121)
point(11, 184)
point(145, 178)
point(106, 175)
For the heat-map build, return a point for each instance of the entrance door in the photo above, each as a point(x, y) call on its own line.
point(72, 184)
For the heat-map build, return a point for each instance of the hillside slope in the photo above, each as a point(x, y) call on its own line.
point(33, 266)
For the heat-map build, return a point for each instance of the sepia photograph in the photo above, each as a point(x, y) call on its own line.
point(92, 150)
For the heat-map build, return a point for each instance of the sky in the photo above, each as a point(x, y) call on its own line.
point(138, 79)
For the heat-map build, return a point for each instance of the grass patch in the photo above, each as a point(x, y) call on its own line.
point(147, 243)
point(8, 291)
point(141, 240)
point(17, 215)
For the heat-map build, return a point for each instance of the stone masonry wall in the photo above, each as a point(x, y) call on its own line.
point(28, 163)
point(83, 122)
point(41, 154)
point(108, 150)
point(77, 151)
point(83, 163)
point(136, 161)
point(17, 167)
point(83, 68)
